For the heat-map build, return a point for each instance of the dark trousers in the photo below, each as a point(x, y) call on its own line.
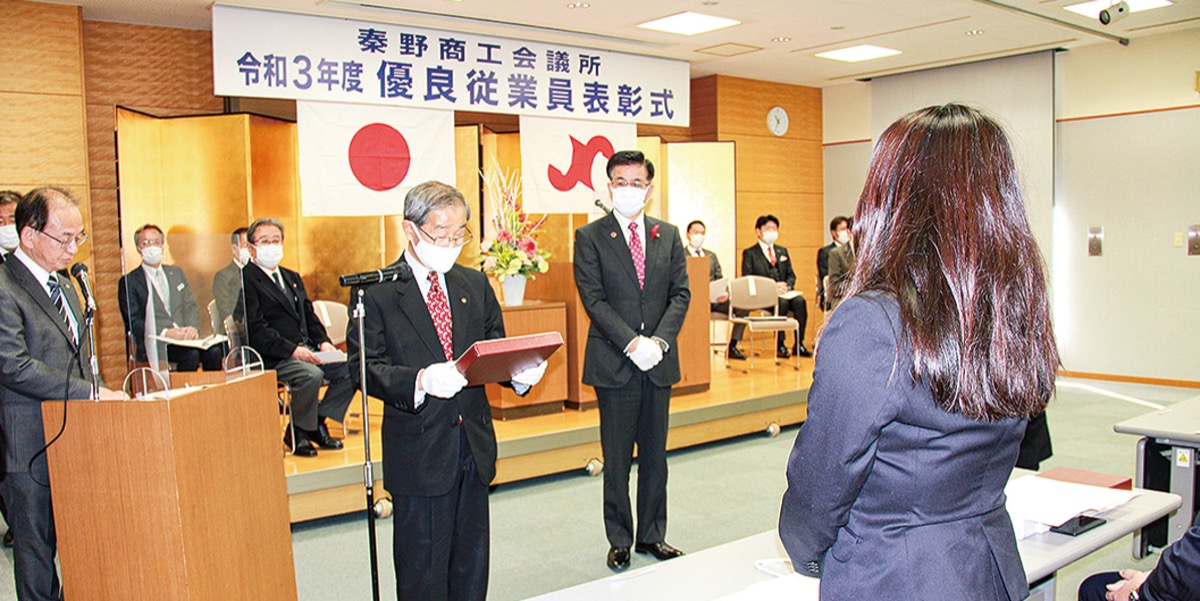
point(31, 519)
point(636, 412)
point(305, 380)
point(440, 544)
point(1094, 587)
point(798, 307)
point(190, 359)
point(738, 329)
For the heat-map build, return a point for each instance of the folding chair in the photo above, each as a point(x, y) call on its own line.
point(757, 293)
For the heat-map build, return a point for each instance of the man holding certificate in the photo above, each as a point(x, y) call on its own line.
point(439, 446)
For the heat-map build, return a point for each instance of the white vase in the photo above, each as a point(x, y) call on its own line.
point(513, 287)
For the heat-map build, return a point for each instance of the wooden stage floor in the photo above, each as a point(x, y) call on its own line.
point(736, 403)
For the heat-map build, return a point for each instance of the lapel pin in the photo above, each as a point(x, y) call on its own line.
point(613, 234)
point(464, 300)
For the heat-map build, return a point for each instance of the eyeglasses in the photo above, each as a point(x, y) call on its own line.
point(78, 239)
point(461, 238)
point(151, 242)
point(636, 184)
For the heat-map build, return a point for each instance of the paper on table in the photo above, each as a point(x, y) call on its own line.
point(198, 343)
point(790, 294)
point(792, 586)
point(334, 356)
point(716, 288)
point(1035, 504)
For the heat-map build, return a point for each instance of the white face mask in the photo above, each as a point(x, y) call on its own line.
point(697, 241)
point(843, 236)
point(770, 237)
point(437, 258)
point(9, 239)
point(269, 255)
point(629, 201)
point(152, 255)
point(243, 256)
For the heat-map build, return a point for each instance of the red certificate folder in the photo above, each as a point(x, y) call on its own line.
point(497, 360)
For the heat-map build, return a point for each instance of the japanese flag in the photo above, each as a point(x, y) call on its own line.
point(563, 162)
point(358, 159)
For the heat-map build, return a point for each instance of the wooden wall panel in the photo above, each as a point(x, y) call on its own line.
point(743, 106)
point(146, 67)
point(704, 109)
point(44, 139)
point(42, 53)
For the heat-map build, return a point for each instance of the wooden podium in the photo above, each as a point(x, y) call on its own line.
point(176, 499)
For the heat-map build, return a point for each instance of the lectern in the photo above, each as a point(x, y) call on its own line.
point(178, 499)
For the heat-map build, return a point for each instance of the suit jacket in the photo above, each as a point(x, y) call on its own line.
point(823, 269)
point(841, 263)
point(227, 290)
point(714, 264)
point(889, 496)
point(1177, 575)
point(132, 291)
point(38, 362)
point(421, 445)
point(619, 310)
point(754, 262)
point(277, 322)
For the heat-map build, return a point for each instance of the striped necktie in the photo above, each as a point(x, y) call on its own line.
point(56, 297)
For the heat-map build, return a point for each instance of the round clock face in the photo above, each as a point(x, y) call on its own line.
point(777, 121)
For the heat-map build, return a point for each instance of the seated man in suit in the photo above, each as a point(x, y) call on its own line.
point(8, 223)
point(839, 231)
point(227, 283)
point(1175, 578)
point(695, 248)
point(770, 260)
point(282, 327)
point(175, 314)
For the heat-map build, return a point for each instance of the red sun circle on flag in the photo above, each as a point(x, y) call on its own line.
point(379, 157)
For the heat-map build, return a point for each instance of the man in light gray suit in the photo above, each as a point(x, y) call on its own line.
point(227, 283)
point(43, 351)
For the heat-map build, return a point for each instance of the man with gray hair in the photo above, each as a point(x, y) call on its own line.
point(9, 239)
point(439, 446)
point(282, 327)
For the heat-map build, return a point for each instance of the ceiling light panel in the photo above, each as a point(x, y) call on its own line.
point(689, 23)
point(857, 54)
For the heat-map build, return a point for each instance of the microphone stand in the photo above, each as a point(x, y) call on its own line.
point(359, 314)
point(89, 315)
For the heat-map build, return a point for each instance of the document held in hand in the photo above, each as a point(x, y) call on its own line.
point(497, 360)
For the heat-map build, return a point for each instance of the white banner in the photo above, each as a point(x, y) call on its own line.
point(281, 55)
point(563, 162)
point(358, 159)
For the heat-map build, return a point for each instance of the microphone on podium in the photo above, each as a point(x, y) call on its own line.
point(80, 271)
point(400, 272)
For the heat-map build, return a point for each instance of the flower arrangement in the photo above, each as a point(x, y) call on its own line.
point(514, 251)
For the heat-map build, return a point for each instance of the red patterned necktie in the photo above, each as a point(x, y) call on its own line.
point(639, 254)
point(771, 254)
point(439, 310)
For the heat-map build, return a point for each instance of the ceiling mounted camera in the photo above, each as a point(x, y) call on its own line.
point(1115, 12)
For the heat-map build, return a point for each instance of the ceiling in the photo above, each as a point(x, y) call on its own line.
point(930, 33)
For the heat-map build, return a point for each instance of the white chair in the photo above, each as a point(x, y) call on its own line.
point(213, 319)
point(756, 293)
point(336, 319)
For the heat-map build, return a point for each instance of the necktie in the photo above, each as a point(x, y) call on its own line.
point(771, 254)
point(163, 289)
point(278, 281)
point(56, 297)
point(638, 254)
point(439, 310)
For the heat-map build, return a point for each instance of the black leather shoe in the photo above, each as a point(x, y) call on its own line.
point(783, 352)
point(802, 351)
point(8, 539)
point(304, 448)
point(618, 558)
point(660, 550)
point(734, 353)
point(321, 437)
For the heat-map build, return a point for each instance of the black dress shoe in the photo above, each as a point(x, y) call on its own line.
point(618, 558)
point(304, 447)
point(321, 437)
point(734, 353)
point(802, 351)
point(660, 550)
point(783, 352)
point(8, 539)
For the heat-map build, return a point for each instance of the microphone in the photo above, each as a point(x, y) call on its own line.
point(400, 272)
point(600, 204)
point(80, 271)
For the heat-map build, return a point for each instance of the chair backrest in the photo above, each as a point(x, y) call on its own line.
point(213, 320)
point(335, 317)
point(235, 332)
point(752, 292)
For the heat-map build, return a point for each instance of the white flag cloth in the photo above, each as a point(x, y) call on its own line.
point(563, 161)
point(358, 159)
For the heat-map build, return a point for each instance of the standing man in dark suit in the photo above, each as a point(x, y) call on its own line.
point(9, 238)
point(770, 260)
point(282, 327)
point(175, 314)
point(227, 282)
point(695, 248)
point(439, 446)
point(43, 351)
point(839, 231)
point(631, 272)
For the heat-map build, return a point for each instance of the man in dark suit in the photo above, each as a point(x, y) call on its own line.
point(695, 248)
point(9, 238)
point(837, 226)
point(43, 351)
point(770, 260)
point(282, 327)
point(841, 264)
point(175, 314)
point(631, 273)
point(1175, 578)
point(227, 282)
point(439, 446)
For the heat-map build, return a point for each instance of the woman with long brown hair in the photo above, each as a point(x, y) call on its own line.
point(925, 375)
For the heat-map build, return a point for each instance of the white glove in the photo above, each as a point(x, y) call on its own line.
point(531, 376)
point(442, 380)
point(646, 354)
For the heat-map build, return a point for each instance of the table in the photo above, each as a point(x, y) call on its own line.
point(729, 568)
point(1166, 460)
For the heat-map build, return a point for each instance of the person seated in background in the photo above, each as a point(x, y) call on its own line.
point(841, 262)
point(839, 231)
point(1175, 578)
point(175, 313)
point(227, 283)
point(695, 248)
point(770, 260)
point(9, 239)
point(282, 327)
